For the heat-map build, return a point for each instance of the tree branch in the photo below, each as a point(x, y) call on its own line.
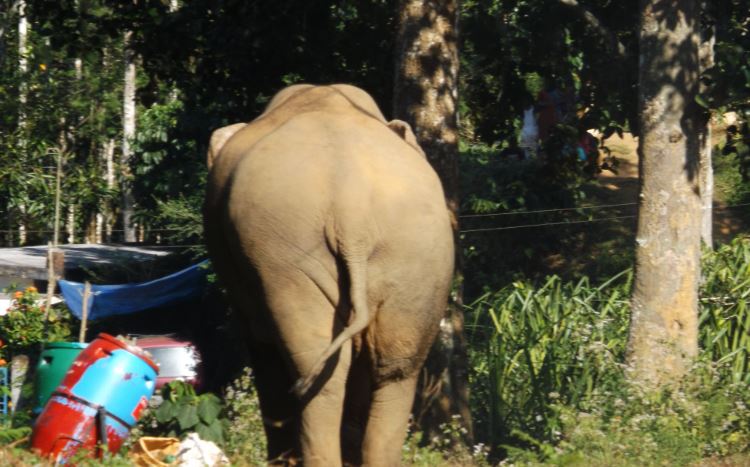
point(614, 43)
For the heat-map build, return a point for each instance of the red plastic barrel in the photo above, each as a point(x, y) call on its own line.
point(100, 398)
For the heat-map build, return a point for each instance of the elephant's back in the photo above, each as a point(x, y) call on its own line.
point(322, 178)
point(325, 158)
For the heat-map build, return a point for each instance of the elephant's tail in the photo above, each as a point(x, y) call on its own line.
point(358, 291)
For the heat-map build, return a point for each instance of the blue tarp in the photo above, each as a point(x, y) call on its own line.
point(111, 300)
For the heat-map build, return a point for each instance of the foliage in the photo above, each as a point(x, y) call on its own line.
point(206, 64)
point(725, 308)
point(182, 411)
point(512, 47)
point(26, 324)
point(727, 83)
point(534, 347)
point(182, 222)
point(548, 385)
point(68, 112)
point(704, 417)
point(9, 434)
point(446, 448)
point(500, 193)
point(245, 438)
point(732, 168)
point(18, 457)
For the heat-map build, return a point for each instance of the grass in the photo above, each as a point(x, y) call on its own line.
point(549, 387)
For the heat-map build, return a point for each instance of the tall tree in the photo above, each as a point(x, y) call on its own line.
point(128, 135)
point(23, 68)
point(664, 325)
point(426, 96)
point(706, 157)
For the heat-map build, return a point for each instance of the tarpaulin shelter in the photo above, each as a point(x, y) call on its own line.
point(111, 300)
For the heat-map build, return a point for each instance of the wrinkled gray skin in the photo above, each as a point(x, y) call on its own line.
point(330, 230)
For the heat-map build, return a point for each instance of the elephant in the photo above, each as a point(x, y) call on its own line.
point(331, 233)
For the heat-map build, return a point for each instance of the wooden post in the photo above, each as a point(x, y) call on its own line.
point(55, 271)
point(58, 179)
point(84, 312)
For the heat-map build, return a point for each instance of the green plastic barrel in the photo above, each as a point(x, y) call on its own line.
point(54, 362)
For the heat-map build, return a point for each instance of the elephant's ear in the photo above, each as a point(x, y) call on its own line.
point(403, 129)
point(218, 140)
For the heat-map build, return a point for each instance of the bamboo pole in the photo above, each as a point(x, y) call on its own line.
point(84, 312)
point(58, 178)
point(51, 282)
point(52, 262)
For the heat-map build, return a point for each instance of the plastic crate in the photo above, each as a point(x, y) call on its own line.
point(4, 394)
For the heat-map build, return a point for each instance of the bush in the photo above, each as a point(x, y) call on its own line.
point(182, 411)
point(245, 437)
point(26, 324)
point(725, 308)
point(532, 348)
point(503, 195)
point(549, 386)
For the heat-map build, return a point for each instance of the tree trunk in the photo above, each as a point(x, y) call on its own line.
point(707, 187)
point(706, 163)
point(426, 96)
point(109, 158)
point(23, 63)
point(128, 134)
point(23, 68)
point(10, 225)
point(71, 223)
point(664, 326)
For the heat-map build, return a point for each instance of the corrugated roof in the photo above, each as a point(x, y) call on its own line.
point(31, 261)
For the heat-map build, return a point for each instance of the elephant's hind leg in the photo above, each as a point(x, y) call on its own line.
point(280, 409)
point(307, 322)
point(388, 421)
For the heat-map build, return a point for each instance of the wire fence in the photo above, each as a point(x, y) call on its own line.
point(540, 211)
point(479, 229)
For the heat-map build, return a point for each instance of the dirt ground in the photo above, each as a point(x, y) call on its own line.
point(622, 187)
point(604, 247)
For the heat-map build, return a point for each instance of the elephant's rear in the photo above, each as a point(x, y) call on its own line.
point(344, 227)
point(325, 192)
point(410, 273)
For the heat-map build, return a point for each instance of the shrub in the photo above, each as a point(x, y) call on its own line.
point(725, 307)
point(26, 325)
point(535, 347)
point(182, 411)
point(245, 437)
point(549, 386)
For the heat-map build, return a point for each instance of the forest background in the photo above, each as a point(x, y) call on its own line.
point(203, 64)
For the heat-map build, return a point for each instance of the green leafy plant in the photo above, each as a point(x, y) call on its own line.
point(23, 325)
point(445, 448)
point(183, 411)
point(549, 387)
point(536, 346)
point(11, 434)
point(245, 436)
point(725, 307)
point(26, 324)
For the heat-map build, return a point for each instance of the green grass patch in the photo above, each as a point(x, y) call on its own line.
point(550, 388)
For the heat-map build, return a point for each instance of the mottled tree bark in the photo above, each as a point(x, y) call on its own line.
point(109, 163)
point(664, 327)
point(706, 156)
point(23, 68)
point(128, 134)
point(426, 96)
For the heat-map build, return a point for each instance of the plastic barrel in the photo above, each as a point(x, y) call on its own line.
point(54, 362)
point(100, 398)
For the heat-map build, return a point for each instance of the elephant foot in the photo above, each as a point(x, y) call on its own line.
point(288, 459)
